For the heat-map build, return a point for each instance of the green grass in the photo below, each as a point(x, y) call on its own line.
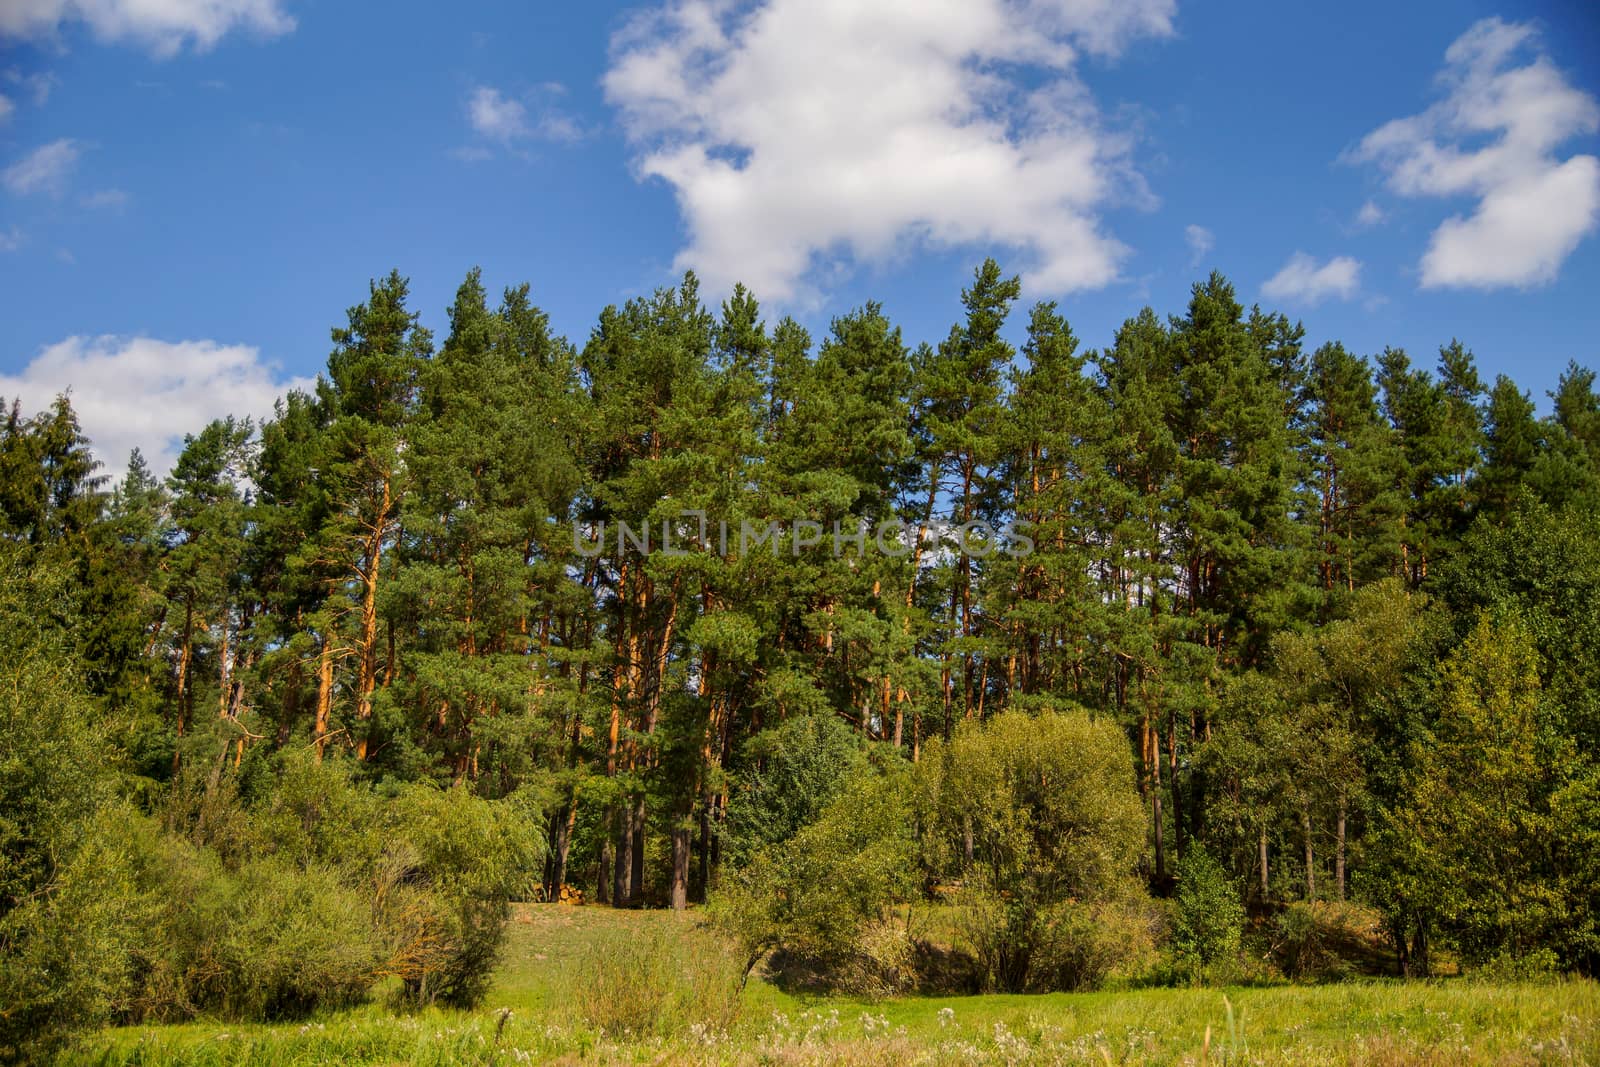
point(534, 1015)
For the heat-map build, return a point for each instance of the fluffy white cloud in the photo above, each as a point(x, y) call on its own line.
point(163, 26)
point(505, 119)
point(136, 391)
point(1494, 138)
point(1302, 280)
point(45, 169)
point(1200, 243)
point(497, 117)
point(793, 131)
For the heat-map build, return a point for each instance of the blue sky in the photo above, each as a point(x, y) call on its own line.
point(192, 194)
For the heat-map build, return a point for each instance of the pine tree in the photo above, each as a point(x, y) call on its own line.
point(370, 389)
point(1355, 468)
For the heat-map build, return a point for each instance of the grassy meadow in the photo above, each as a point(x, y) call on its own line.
point(595, 985)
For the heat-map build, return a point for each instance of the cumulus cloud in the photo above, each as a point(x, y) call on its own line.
point(505, 119)
point(1200, 243)
point(1370, 214)
point(44, 170)
point(1494, 137)
point(497, 117)
point(1303, 281)
point(139, 392)
point(798, 131)
point(162, 26)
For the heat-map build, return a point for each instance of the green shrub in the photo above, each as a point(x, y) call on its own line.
point(1299, 944)
point(1209, 917)
point(66, 956)
point(444, 885)
point(1028, 813)
point(266, 941)
point(64, 914)
point(298, 940)
point(1541, 964)
point(1084, 946)
point(818, 898)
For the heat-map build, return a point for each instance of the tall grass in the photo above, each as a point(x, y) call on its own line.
point(597, 986)
point(655, 982)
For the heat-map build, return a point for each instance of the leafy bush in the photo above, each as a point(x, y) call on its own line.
point(65, 956)
point(1030, 813)
point(820, 897)
point(1299, 945)
point(61, 920)
point(1084, 946)
point(1538, 965)
point(444, 885)
point(1209, 919)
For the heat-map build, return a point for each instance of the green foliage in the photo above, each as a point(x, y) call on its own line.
point(351, 684)
point(58, 939)
point(68, 954)
point(794, 770)
point(452, 864)
point(1032, 812)
point(819, 895)
point(1209, 914)
point(1472, 838)
point(1328, 940)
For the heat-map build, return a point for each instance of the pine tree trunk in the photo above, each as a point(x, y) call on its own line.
point(1157, 821)
point(185, 689)
point(1338, 856)
point(636, 881)
point(1311, 858)
point(705, 845)
point(324, 696)
point(680, 864)
point(367, 673)
point(561, 847)
point(1265, 880)
point(622, 882)
point(1172, 785)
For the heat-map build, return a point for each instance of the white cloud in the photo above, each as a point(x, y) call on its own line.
point(1370, 214)
point(38, 85)
point(1200, 243)
point(10, 240)
point(6, 107)
point(497, 117)
point(501, 118)
point(1494, 138)
point(136, 391)
point(106, 198)
point(45, 169)
point(162, 26)
point(1301, 280)
point(801, 130)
